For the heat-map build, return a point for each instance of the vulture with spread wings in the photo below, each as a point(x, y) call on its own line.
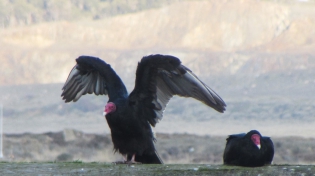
point(130, 117)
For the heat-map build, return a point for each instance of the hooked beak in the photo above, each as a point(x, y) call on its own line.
point(104, 113)
point(259, 146)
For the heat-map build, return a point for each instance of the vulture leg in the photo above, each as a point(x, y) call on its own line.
point(132, 161)
point(125, 158)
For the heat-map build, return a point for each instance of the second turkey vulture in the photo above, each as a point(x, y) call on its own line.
point(249, 149)
point(130, 117)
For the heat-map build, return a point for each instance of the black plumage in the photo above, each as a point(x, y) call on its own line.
point(241, 150)
point(158, 78)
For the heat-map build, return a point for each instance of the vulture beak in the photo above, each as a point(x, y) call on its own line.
point(259, 146)
point(104, 113)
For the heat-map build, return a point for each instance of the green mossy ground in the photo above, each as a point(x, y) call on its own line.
point(94, 168)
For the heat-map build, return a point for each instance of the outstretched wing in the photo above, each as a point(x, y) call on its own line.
point(92, 75)
point(159, 77)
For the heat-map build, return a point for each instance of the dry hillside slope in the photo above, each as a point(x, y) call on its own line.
point(45, 52)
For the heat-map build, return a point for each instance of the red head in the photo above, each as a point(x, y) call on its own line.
point(256, 140)
point(109, 108)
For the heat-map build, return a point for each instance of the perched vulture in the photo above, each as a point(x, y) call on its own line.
point(130, 117)
point(249, 150)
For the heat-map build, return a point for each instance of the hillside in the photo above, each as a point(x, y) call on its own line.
point(22, 13)
point(227, 35)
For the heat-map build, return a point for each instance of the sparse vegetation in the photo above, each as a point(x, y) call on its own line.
point(70, 168)
point(78, 147)
point(27, 12)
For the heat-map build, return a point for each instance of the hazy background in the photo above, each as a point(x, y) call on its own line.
point(258, 55)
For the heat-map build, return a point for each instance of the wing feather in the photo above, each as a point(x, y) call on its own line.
point(163, 95)
point(98, 86)
point(269, 150)
point(92, 75)
point(159, 78)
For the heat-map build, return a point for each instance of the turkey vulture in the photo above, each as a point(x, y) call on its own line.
point(249, 149)
point(158, 78)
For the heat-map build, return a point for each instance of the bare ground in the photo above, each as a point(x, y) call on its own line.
point(72, 145)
